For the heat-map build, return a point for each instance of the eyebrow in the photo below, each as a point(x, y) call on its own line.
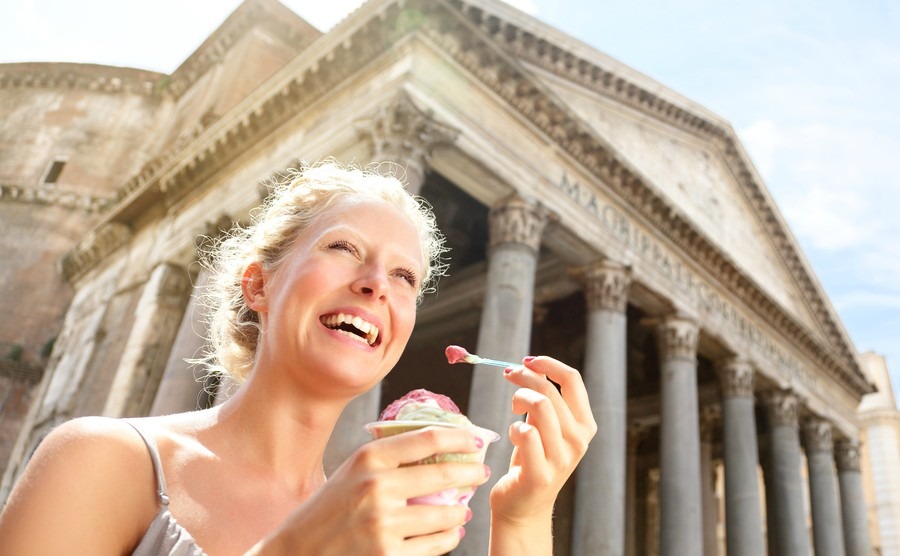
point(344, 228)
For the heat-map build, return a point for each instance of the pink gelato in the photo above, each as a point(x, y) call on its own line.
point(456, 354)
point(420, 397)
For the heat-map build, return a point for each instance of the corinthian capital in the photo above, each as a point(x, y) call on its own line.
point(735, 378)
point(403, 133)
point(605, 285)
point(817, 435)
point(782, 408)
point(846, 455)
point(677, 338)
point(518, 221)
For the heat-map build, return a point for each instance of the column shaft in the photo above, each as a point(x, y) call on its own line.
point(180, 390)
point(828, 539)
point(743, 522)
point(681, 526)
point(853, 503)
point(599, 517)
point(158, 313)
point(786, 498)
point(504, 333)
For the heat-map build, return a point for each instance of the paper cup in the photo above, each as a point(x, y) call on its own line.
point(449, 497)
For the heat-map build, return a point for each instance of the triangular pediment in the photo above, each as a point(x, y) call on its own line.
point(561, 85)
point(691, 173)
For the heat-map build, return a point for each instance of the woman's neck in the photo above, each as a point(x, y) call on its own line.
point(279, 429)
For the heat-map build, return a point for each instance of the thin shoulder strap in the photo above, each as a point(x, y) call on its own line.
point(157, 463)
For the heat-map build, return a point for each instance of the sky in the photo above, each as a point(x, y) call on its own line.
point(810, 87)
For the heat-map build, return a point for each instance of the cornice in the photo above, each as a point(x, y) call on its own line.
point(483, 47)
point(97, 245)
point(55, 197)
point(487, 52)
point(86, 77)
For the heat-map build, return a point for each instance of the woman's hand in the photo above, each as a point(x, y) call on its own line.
point(548, 445)
point(362, 509)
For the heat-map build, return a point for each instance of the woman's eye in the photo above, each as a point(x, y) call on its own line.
point(343, 245)
point(409, 276)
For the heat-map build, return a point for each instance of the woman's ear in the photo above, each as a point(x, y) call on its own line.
point(253, 287)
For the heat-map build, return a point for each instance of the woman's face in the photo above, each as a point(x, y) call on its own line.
point(343, 304)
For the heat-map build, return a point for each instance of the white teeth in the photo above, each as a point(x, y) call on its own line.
point(369, 330)
point(361, 324)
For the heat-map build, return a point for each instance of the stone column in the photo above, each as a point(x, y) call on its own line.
point(710, 416)
point(515, 229)
point(158, 313)
point(180, 390)
point(401, 133)
point(599, 520)
point(743, 523)
point(681, 527)
point(828, 539)
point(853, 503)
point(785, 501)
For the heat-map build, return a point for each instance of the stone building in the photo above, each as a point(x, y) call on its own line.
point(593, 215)
point(879, 420)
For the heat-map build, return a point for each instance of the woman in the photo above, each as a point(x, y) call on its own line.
point(313, 305)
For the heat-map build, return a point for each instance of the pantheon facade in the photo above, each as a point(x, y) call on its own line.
point(593, 215)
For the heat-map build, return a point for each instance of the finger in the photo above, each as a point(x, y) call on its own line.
point(542, 415)
point(452, 481)
point(434, 544)
point(526, 378)
point(571, 384)
point(412, 446)
point(530, 447)
point(419, 520)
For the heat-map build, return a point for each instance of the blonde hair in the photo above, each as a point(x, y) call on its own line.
point(294, 204)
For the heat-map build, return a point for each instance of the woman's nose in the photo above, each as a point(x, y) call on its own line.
point(373, 283)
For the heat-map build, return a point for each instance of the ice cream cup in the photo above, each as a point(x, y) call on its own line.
point(449, 497)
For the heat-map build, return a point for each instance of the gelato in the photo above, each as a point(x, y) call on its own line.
point(456, 354)
point(422, 405)
point(421, 408)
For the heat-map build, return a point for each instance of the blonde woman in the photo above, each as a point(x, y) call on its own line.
point(312, 305)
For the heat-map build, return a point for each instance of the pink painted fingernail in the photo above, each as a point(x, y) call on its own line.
point(468, 515)
point(462, 532)
point(479, 443)
point(487, 471)
point(507, 370)
point(529, 359)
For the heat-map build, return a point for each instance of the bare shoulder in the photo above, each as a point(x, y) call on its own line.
point(89, 488)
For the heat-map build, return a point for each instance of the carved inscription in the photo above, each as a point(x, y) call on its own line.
point(704, 297)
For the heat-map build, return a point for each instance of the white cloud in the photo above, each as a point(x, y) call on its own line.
point(829, 180)
point(764, 139)
point(859, 299)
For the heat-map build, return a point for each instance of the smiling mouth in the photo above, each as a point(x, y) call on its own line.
point(352, 326)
